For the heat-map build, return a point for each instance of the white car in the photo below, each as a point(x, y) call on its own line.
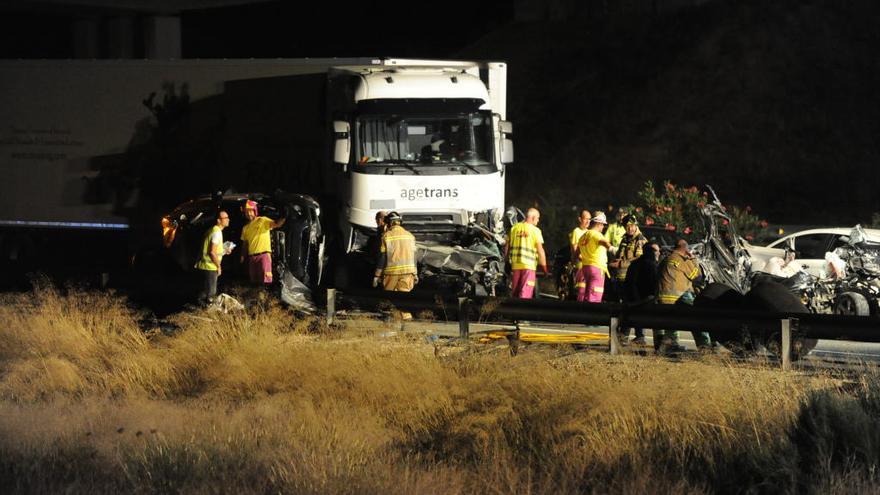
point(810, 247)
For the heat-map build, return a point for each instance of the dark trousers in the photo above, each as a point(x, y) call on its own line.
point(209, 286)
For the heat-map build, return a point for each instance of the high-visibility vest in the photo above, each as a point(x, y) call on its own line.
point(676, 275)
point(573, 238)
point(399, 248)
point(614, 233)
point(524, 241)
point(591, 252)
point(205, 262)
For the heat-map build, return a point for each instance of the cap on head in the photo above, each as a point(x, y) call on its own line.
point(599, 217)
point(629, 220)
point(250, 205)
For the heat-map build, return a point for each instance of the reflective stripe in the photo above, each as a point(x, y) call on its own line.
point(398, 247)
point(524, 241)
point(669, 298)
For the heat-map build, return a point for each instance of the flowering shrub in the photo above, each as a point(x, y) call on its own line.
point(677, 209)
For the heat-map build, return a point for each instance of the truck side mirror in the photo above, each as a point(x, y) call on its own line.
point(342, 148)
point(506, 128)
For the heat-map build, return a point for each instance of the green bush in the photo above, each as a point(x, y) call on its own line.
point(677, 208)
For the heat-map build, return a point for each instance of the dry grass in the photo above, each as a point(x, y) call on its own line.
point(264, 402)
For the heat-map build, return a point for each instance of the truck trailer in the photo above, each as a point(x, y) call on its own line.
point(98, 150)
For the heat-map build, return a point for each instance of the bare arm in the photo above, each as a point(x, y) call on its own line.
point(278, 223)
point(542, 258)
point(216, 249)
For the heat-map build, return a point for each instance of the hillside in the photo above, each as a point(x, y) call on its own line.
point(773, 103)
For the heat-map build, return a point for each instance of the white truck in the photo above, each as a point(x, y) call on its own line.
point(106, 145)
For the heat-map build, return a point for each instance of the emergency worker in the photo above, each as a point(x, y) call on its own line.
point(396, 263)
point(525, 249)
point(575, 235)
point(256, 247)
point(593, 249)
point(209, 264)
point(567, 273)
point(640, 285)
point(676, 277)
point(615, 231)
point(629, 249)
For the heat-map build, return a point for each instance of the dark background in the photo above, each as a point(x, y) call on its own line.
point(773, 103)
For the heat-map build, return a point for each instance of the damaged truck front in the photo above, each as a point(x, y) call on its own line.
point(428, 140)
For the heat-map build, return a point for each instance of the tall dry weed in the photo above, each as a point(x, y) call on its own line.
point(262, 401)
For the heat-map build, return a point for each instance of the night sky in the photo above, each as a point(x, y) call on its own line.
point(283, 29)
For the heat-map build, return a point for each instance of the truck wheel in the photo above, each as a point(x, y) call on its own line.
point(720, 296)
point(853, 304)
point(775, 297)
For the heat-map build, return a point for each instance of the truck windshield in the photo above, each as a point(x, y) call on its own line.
point(421, 142)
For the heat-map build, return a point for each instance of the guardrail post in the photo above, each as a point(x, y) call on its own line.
point(613, 343)
point(464, 330)
point(331, 305)
point(786, 342)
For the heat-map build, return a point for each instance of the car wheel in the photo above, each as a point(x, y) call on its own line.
point(720, 296)
point(853, 304)
point(775, 297)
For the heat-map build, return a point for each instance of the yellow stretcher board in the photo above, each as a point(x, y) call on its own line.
point(547, 338)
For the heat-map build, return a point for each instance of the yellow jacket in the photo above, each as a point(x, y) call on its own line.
point(677, 273)
point(397, 253)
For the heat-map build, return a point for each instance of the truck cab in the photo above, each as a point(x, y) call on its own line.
point(426, 139)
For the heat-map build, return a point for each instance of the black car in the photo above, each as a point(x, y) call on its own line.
point(297, 246)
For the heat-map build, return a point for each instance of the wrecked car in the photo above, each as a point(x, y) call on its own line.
point(297, 246)
point(810, 247)
point(730, 283)
point(842, 279)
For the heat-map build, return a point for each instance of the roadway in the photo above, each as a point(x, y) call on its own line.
point(827, 352)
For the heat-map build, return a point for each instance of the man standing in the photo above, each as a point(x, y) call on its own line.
point(615, 231)
point(575, 236)
point(525, 249)
point(641, 283)
point(209, 263)
point(593, 248)
point(396, 266)
point(629, 249)
point(676, 275)
point(257, 244)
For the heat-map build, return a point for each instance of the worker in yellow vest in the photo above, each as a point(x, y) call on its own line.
point(525, 249)
point(257, 244)
point(396, 266)
point(593, 248)
point(209, 263)
point(575, 235)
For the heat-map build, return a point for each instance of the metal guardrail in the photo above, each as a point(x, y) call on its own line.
point(616, 316)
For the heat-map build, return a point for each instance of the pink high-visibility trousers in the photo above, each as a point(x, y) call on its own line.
point(524, 283)
point(590, 283)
